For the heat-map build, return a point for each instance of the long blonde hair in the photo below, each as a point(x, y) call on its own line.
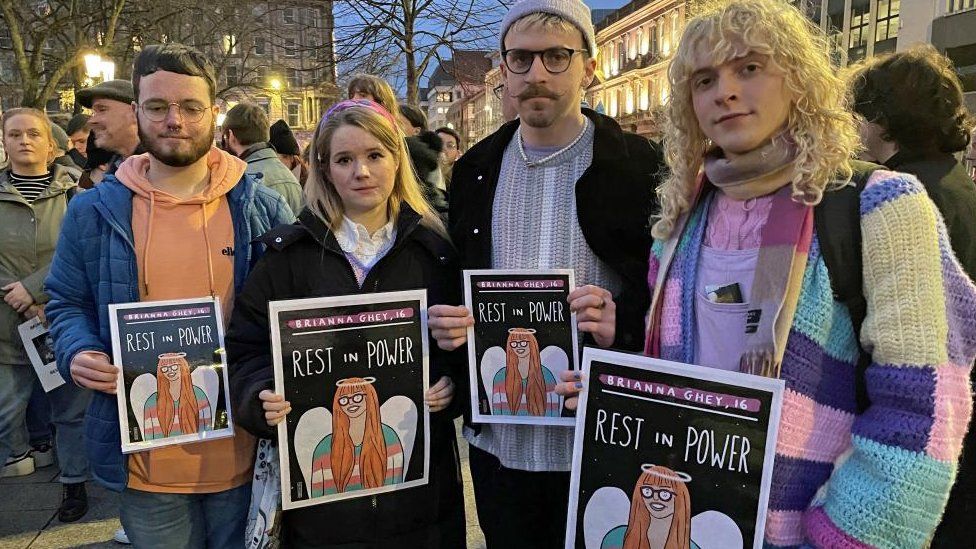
point(321, 195)
point(820, 123)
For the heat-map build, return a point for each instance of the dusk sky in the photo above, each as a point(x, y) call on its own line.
point(605, 3)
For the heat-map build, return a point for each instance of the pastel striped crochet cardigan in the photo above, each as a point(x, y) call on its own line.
point(881, 478)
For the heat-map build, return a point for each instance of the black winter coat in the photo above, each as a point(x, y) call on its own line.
point(615, 198)
point(305, 260)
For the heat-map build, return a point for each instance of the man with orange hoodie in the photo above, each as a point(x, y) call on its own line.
point(176, 222)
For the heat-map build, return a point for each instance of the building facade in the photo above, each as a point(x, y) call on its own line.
point(453, 80)
point(287, 66)
point(635, 44)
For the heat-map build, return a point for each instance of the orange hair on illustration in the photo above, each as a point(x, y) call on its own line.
point(372, 457)
point(535, 398)
point(679, 537)
point(165, 407)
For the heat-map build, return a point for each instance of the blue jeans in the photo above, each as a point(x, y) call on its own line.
point(39, 417)
point(65, 406)
point(68, 404)
point(16, 384)
point(193, 521)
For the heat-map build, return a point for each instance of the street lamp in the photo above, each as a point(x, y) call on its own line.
point(98, 67)
point(93, 65)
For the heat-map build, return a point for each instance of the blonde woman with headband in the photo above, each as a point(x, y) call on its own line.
point(759, 140)
point(366, 228)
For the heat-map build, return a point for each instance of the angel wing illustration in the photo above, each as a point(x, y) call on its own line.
point(142, 388)
point(606, 510)
point(207, 379)
point(492, 362)
point(400, 414)
point(312, 428)
point(715, 530)
point(555, 359)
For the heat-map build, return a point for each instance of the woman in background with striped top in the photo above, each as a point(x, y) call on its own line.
point(34, 196)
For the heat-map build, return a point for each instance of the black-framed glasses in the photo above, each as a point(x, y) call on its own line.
point(663, 494)
point(157, 110)
point(497, 90)
point(555, 60)
point(355, 399)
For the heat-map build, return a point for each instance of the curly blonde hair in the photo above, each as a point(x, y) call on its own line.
point(820, 123)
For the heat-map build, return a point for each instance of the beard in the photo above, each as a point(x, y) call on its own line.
point(182, 154)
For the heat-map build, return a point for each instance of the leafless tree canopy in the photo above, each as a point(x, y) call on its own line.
point(399, 39)
point(43, 42)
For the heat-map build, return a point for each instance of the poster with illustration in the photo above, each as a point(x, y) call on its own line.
point(172, 372)
point(40, 350)
point(671, 456)
point(355, 370)
point(523, 336)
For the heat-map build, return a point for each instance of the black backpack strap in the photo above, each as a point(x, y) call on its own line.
point(838, 223)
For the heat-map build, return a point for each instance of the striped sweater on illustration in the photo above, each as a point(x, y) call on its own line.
point(880, 478)
point(499, 397)
point(152, 427)
point(323, 479)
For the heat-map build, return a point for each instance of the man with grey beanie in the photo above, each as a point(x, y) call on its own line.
point(559, 188)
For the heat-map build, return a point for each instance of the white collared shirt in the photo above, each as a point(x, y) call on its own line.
point(355, 240)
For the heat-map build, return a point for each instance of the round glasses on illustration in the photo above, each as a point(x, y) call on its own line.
point(156, 110)
point(519, 344)
point(663, 494)
point(355, 399)
point(555, 60)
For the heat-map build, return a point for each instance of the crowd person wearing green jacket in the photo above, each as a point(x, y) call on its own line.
point(34, 195)
point(246, 134)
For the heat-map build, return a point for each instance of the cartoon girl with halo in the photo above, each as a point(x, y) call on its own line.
point(524, 387)
point(660, 513)
point(362, 451)
point(178, 407)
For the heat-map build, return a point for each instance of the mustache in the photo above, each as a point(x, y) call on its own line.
point(532, 91)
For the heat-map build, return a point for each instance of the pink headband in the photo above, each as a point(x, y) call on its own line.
point(365, 103)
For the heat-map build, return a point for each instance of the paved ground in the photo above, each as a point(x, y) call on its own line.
point(28, 513)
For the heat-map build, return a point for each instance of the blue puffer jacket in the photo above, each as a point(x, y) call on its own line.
point(95, 265)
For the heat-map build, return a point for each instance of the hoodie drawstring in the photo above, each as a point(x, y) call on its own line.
point(145, 255)
point(149, 232)
point(206, 239)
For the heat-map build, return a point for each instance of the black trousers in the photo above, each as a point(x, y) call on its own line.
point(519, 509)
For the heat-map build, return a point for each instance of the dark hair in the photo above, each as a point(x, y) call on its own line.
point(451, 132)
point(95, 155)
point(916, 97)
point(177, 58)
point(248, 122)
point(415, 116)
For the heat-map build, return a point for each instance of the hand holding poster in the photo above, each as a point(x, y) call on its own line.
point(523, 336)
point(671, 456)
point(172, 372)
point(355, 370)
point(40, 350)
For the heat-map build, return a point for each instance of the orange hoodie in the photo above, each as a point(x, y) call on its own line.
point(184, 250)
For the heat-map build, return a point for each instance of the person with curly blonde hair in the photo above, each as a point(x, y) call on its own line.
point(760, 139)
